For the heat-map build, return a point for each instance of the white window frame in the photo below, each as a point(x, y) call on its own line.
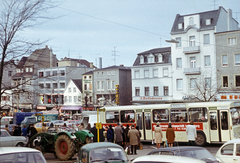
point(165, 72)
point(108, 84)
point(232, 41)
point(155, 73)
point(113, 85)
point(146, 73)
point(193, 62)
point(191, 21)
point(160, 58)
point(191, 41)
point(207, 61)
point(150, 58)
point(237, 61)
point(179, 60)
point(208, 21)
point(179, 83)
point(206, 39)
point(193, 83)
point(102, 85)
point(224, 63)
point(136, 74)
point(179, 44)
point(141, 59)
point(180, 25)
point(137, 93)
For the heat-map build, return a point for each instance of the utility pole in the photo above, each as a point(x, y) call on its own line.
point(114, 54)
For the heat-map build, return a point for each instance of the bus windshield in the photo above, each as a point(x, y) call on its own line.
point(235, 113)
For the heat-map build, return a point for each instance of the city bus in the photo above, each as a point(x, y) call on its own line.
point(216, 122)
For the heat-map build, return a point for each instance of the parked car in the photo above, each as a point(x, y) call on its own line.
point(165, 159)
point(187, 151)
point(6, 140)
point(76, 122)
point(229, 151)
point(102, 152)
point(20, 155)
point(38, 126)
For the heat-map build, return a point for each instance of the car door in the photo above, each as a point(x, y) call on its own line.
point(6, 139)
point(236, 156)
point(227, 153)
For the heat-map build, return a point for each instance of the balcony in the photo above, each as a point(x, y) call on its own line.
point(192, 71)
point(191, 49)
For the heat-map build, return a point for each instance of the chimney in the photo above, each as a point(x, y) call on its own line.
point(100, 62)
point(229, 19)
point(91, 64)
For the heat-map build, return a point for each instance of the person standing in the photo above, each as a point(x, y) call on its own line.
point(24, 132)
point(158, 135)
point(15, 131)
point(170, 135)
point(140, 135)
point(118, 134)
point(191, 133)
point(6, 128)
point(19, 129)
point(94, 132)
point(133, 135)
point(88, 127)
point(110, 134)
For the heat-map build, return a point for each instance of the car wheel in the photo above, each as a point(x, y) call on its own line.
point(40, 148)
point(87, 140)
point(20, 144)
point(201, 139)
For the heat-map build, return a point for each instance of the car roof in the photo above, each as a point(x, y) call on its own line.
point(233, 141)
point(182, 148)
point(166, 158)
point(90, 146)
point(6, 150)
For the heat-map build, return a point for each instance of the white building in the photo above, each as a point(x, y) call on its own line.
point(152, 76)
point(194, 57)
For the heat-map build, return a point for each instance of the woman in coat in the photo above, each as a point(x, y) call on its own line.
point(110, 134)
point(158, 135)
point(170, 135)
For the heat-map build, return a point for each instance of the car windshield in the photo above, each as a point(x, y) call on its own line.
point(198, 154)
point(107, 154)
point(22, 157)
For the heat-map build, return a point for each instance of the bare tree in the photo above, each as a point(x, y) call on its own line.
point(15, 17)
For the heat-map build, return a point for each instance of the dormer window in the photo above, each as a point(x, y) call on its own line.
point(150, 58)
point(141, 59)
point(180, 25)
point(160, 58)
point(208, 21)
point(191, 21)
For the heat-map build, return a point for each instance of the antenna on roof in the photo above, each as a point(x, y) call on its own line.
point(214, 4)
point(114, 54)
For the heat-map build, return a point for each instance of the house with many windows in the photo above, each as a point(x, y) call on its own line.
point(228, 64)
point(152, 76)
point(194, 60)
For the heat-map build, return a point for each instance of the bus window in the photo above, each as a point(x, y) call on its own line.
point(224, 120)
point(213, 120)
point(235, 112)
point(112, 116)
point(148, 121)
point(198, 114)
point(160, 115)
point(139, 121)
point(127, 116)
point(179, 115)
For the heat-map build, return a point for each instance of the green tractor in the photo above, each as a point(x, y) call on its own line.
point(63, 144)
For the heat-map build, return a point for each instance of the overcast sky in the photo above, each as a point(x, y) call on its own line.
point(89, 29)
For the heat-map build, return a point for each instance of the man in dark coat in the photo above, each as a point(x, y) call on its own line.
point(118, 134)
point(94, 132)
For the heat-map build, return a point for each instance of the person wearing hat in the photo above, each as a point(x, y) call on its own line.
point(170, 135)
point(158, 135)
point(133, 135)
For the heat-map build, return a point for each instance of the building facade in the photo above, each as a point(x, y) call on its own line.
point(87, 91)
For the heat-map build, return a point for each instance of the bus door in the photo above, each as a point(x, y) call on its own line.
point(147, 124)
point(139, 115)
point(219, 127)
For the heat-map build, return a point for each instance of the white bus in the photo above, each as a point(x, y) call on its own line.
point(216, 122)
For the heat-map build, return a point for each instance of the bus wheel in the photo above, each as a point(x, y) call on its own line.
point(201, 139)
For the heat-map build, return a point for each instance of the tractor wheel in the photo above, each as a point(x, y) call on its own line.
point(64, 147)
point(87, 140)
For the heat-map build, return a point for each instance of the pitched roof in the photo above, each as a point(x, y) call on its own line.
point(22, 62)
point(81, 61)
point(78, 83)
point(121, 67)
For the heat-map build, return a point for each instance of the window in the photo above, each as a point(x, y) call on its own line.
point(75, 99)
point(102, 85)
point(193, 62)
point(141, 59)
point(54, 73)
point(108, 84)
point(160, 58)
point(208, 83)
point(62, 85)
point(155, 89)
point(69, 90)
point(213, 120)
point(70, 98)
point(179, 84)
point(224, 120)
point(165, 71)
point(146, 91)
point(150, 58)
point(137, 91)
point(193, 82)
point(179, 63)
point(160, 115)
point(206, 39)
point(85, 86)
point(237, 149)
point(155, 73)
point(192, 41)
point(224, 81)
point(208, 21)
point(62, 72)
point(113, 72)
point(112, 116)
point(224, 60)
point(74, 89)
point(179, 44)
point(227, 150)
point(30, 69)
point(40, 74)
point(237, 80)
point(48, 85)
point(27, 69)
point(41, 85)
point(235, 114)
point(108, 72)
point(113, 85)
point(180, 25)
point(146, 73)
point(207, 60)
point(47, 73)
point(232, 41)
point(54, 85)
point(165, 90)
point(191, 21)
point(178, 115)
point(9, 73)
point(127, 116)
point(98, 85)
point(198, 114)
point(137, 74)
point(237, 59)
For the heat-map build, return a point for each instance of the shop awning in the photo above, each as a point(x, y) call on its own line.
point(72, 108)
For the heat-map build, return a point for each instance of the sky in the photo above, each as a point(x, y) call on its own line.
point(116, 30)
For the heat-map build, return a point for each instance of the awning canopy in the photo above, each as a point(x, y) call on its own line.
point(72, 108)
